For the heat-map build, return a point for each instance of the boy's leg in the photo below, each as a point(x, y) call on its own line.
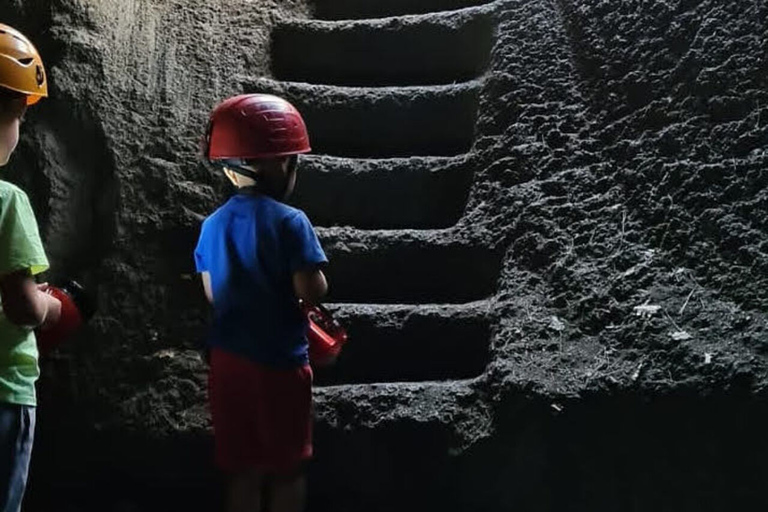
point(245, 492)
point(288, 486)
point(288, 492)
point(17, 430)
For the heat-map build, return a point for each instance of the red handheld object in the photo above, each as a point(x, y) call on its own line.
point(76, 309)
point(326, 336)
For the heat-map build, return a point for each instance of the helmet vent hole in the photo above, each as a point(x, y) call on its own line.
point(26, 61)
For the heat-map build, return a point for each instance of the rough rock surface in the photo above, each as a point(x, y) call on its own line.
point(551, 250)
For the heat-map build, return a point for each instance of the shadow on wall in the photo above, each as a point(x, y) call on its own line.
point(63, 162)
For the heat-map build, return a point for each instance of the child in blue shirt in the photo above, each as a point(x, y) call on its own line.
point(258, 257)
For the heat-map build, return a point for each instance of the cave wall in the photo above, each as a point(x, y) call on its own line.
point(546, 223)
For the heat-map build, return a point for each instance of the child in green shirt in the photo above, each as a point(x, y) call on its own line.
point(25, 305)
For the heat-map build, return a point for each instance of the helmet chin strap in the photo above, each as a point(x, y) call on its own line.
point(248, 173)
point(290, 177)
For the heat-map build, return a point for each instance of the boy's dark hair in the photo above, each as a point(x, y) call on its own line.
point(10, 99)
point(293, 161)
point(9, 95)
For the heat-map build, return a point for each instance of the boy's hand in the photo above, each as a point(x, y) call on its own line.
point(54, 306)
point(25, 303)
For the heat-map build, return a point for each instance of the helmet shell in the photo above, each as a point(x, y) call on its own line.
point(21, 67)
point(252, 126)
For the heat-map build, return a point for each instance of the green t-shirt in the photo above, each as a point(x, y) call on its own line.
point(20, 248)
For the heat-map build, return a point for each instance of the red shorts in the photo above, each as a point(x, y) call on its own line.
point(262, 417)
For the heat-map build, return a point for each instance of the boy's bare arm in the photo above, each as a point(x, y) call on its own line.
point(310, 285)
point(207, 286)
point(24, 304)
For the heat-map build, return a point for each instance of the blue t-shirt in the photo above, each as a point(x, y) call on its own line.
point(251, 246)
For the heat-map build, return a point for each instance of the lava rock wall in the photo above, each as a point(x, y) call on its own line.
point(547, 230)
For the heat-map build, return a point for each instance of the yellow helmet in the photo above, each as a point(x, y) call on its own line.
point(21, 68)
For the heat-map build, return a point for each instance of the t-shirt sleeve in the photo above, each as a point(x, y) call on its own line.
point(20, 244)
point(304, 249)
point(202, 250)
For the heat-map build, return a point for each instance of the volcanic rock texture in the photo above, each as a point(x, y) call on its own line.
point(547, 224)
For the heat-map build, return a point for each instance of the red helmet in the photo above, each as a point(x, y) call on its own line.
point(253, 126)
